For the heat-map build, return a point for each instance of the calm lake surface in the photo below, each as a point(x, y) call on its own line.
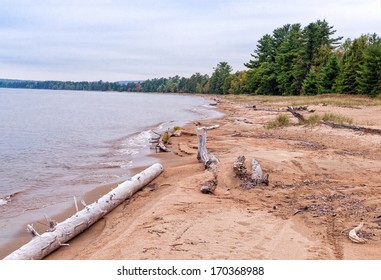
point(58, 144)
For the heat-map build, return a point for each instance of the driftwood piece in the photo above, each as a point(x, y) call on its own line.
point(353, 234)
point(42, 245)
point(296, 114)
point(257, 174)
point(353, 127)
point(209, 160)
point(239, 167)
point(209, 186)
point(161, 143)
point(163, 139)
point(203, 154)
point(249, 180)
point(267, 109)
point(300, 108)
point(210, 127)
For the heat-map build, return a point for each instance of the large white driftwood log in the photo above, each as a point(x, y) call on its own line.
point(42, 245)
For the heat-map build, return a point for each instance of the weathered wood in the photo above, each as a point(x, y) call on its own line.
point(42, 245)
point(353, 234)
point(256, 169)
point(203, 154)
point(163, 139)
point(256, 177)
point(209, 187)
point(269, 110)
point(209, 160)
point(353, 127)
point(296, 114)
point(239, 167)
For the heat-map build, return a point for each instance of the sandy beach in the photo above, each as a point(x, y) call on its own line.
point(323, 183)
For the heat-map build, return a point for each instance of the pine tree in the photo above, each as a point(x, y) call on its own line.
point(217, 80)
point(265, 52)
point(347, 82)
point(315, 36)
point(310, 83)
point(369, 79)
point(328, 74)
point(290, 66)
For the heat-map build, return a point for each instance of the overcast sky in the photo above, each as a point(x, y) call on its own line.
point(115, 40)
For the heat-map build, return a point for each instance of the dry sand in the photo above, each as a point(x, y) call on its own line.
point(331, 175)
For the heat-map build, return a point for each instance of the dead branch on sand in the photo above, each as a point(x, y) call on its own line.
point(353, 234)
point(297, 115)
point(353, 127)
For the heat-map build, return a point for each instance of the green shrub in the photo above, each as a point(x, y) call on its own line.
point(281, 120)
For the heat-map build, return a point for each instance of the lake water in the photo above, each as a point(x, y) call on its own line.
point(58, 144)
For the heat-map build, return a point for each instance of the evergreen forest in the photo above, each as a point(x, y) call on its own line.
point(292, 60)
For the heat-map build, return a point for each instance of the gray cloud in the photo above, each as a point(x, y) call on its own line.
point(116, 40)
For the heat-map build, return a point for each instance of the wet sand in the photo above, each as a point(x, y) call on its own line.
point(323, 182)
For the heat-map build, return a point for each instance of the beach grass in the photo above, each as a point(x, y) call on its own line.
point(322, 99)
point(281, 120)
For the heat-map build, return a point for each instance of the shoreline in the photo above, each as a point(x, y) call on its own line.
point(140, 161)
point(315, 196)
point(174, 163)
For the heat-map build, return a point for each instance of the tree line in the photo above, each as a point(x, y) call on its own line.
point(292, 60)
point(69, 85)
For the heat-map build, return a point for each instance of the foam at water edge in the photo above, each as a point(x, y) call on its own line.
point(134, 144)
point(3, 201)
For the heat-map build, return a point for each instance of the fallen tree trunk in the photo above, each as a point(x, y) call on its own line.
point(42, 245)
point(210, 161)
point(353, 127)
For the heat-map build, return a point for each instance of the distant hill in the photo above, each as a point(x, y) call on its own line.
point(15, 80)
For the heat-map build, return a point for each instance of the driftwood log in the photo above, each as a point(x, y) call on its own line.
point(353, 127)
point(296, 114)
point(249, 180)
point(42, 245)
point(164, 139)
point(209, 160)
